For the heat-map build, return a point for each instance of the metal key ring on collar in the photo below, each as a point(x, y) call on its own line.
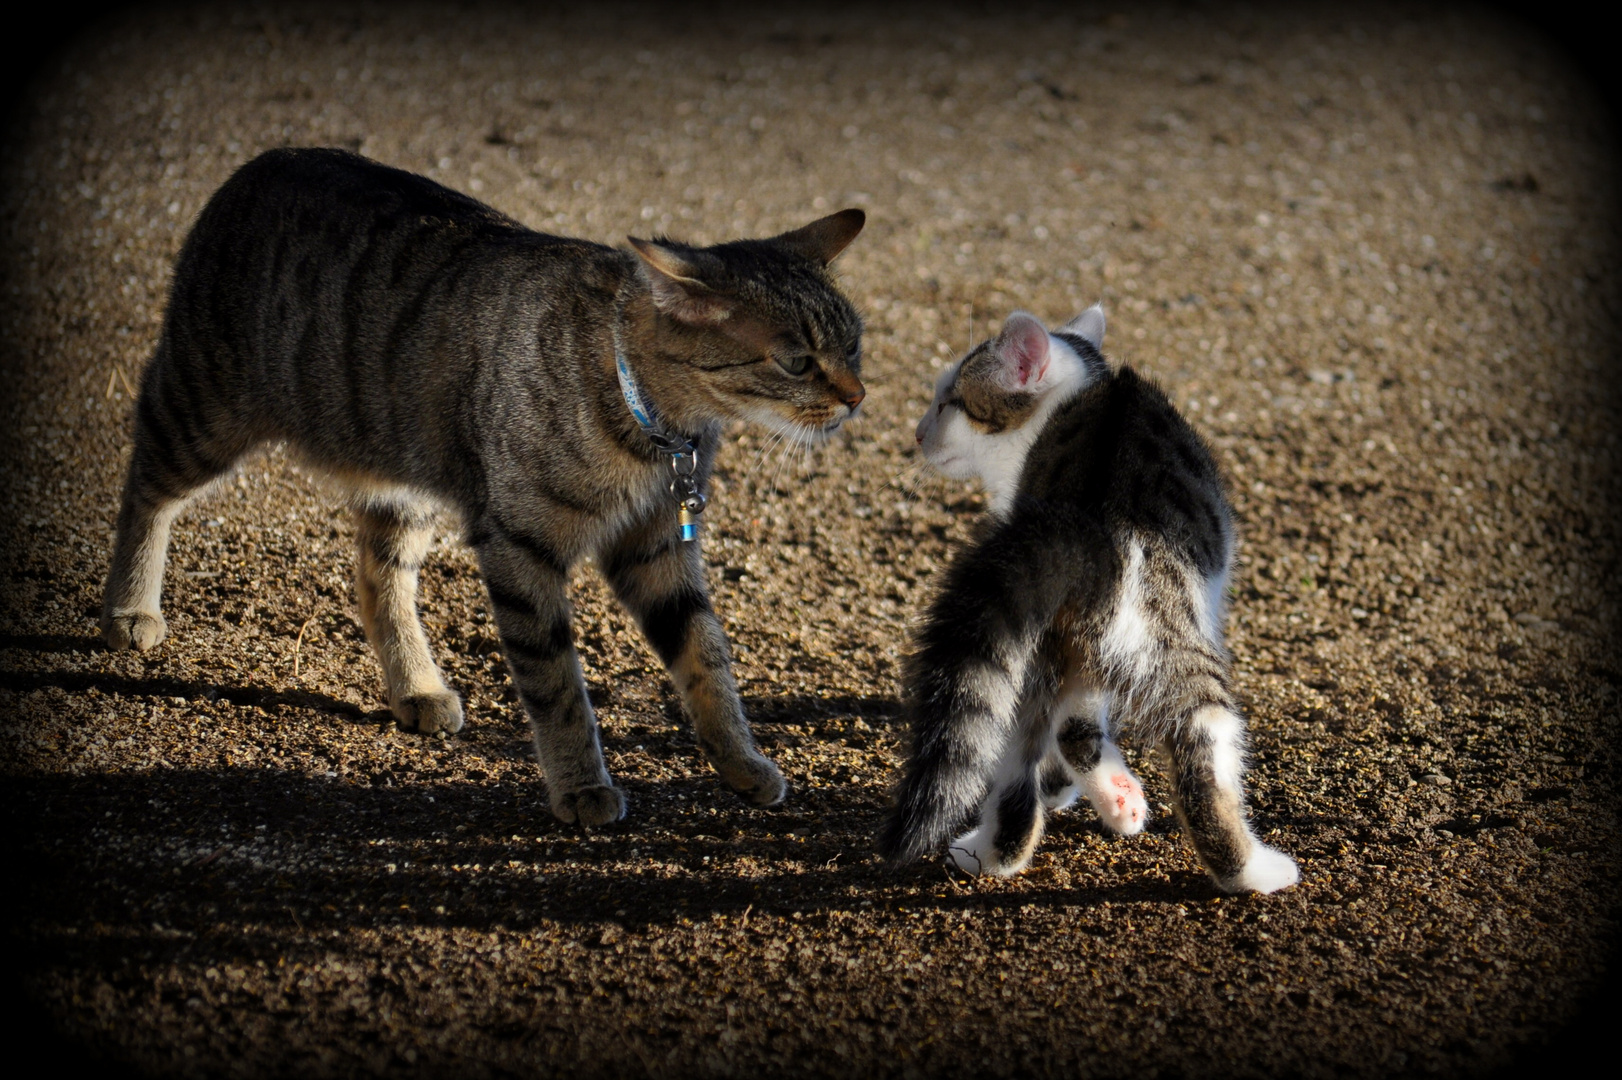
point(676, 464)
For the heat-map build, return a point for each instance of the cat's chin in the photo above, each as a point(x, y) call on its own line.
point(803, 434)
point(953, 467)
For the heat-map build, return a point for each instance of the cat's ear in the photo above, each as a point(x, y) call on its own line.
point(1023, 348)
point(1089, 326)
point(825, 238)
point(678, 291)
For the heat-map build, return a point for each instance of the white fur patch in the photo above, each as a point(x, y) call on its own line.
point(797, 433)
point(1209, 598)
point(1268, 870)
point(957, 449)
point(1227, 734)
point(1128, 644)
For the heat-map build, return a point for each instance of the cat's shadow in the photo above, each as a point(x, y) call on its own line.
point(52, 643)
point(193, 842)
point(111, 682)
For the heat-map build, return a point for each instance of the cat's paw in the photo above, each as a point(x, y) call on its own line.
point(139, 630)
point(1118, 797)
point(756, 778)
point(1267, 870)
point(598, 804)
point(428, 713)
point(975, 854)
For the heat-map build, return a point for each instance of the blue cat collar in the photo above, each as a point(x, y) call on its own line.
point(640, 410)
point(683, 454)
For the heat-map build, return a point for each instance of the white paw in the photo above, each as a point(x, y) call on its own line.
point(974, 854)
point(1268, 870)
point(1118, 797)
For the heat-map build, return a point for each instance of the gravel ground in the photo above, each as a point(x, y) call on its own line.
point(1366, 251)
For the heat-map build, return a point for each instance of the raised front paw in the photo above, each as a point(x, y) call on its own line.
point(1118, 797)
point(755, 777)
point(599, 804)
point(133, 630)
point(428, 713)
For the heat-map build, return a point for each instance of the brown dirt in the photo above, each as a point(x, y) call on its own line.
point(1372, 253)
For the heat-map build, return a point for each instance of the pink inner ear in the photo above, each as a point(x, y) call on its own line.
point(1023, 346)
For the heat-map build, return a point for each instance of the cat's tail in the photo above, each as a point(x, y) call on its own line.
point(965, 679)
point(960, 727)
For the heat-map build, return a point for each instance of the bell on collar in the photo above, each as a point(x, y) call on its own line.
point(687, 512)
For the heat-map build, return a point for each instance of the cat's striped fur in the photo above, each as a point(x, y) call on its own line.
point(1094, 593)
point(428, 351)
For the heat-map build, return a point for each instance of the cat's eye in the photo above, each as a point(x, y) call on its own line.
point(795, 365)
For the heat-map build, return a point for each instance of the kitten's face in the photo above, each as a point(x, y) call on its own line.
point(991, 405)
point(763, 330)
point(983, 402)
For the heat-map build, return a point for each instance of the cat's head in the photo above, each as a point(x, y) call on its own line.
point(990, 406)
point(758, 329)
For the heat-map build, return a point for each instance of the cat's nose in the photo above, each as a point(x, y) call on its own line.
point(848, 388)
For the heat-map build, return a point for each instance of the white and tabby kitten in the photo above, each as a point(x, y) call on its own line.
point(1093, 596)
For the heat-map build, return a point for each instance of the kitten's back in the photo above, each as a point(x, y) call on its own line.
point(1120, 453)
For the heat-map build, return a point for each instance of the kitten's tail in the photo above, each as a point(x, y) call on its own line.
point(947, 775)
point(943, 785)
point(965, 681)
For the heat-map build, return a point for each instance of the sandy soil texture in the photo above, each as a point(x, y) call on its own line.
point(1372, 253)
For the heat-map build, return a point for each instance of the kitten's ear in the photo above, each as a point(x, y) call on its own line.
point(674, 277)
point(1089, 326)
point(825, 238)
point(1023, 349)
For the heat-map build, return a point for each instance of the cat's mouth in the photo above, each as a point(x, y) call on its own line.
point(808, 434)
point(954, 466)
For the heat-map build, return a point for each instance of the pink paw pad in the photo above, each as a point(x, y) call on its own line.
point(1128, 786)
point(1119, 800)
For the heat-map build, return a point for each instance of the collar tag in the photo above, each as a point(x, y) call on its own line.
point(683, 454)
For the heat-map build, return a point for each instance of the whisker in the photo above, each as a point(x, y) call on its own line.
point(782, 460)
point(772, 438)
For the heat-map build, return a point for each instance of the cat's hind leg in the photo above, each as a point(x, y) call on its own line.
point(1095, 764)
point(1011, 819)
point(1059, 782)
point(393, 539)
point(660, 580)
point(1015, 811)
point(527, 581)
point(1206, 752)
point(175, 455)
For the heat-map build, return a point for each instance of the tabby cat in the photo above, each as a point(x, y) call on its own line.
point(562, 397)
point(1094, 593)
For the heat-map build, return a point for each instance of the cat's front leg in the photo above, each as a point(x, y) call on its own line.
point(527, 584)
point(660, 580)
